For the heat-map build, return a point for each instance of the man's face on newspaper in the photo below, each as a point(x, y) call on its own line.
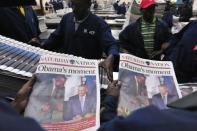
point(163, 90)
point(60, 81)
point(82, 90)
point(126, 84)
point(140, 79)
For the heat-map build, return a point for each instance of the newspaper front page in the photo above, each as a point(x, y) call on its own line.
point(66, 95)
point(145, 82)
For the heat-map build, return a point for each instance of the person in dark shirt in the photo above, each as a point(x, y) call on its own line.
point(116, 6)
point(183, 53)
point(185, 11)
point(147, 37)
point(83, 34)
point(20, 23)
point(95, 6)
point(122, 9)
point(168, 14)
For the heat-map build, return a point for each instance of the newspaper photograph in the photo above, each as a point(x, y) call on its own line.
point(66, 95)
point(145, 82)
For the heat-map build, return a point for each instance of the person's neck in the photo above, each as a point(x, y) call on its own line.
point(149, 21)
point(165, 94)
point(83, 17)
point(82, 96)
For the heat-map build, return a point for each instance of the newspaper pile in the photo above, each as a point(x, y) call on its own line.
point(66, 95)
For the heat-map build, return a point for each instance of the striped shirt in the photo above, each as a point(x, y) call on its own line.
point(148, 32)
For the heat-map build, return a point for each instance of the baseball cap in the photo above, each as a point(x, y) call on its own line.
point(146, 3)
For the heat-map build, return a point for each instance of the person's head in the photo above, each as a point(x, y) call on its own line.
point(126, 79)
point(60, 80)
point(82, 90)
point(80, 8)
point(140, 78)
point(147, 8)
point(163, 89)
point(185, 1)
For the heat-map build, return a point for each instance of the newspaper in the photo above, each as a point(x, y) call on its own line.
point(66, 95)
point(145, 82)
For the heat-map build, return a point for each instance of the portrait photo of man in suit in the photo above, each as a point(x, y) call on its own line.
point(163, 98)
point(80, 106)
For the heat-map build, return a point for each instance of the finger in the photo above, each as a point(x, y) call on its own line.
point(102, 64)
point(26, 89)
point(119, 84)
point(115, 82)
point(20, 106)
point(110, 74)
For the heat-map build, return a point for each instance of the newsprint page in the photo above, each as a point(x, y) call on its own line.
point(145, 82)
point(66, 95)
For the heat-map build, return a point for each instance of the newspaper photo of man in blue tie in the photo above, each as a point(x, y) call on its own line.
point(80, 106)
point(163, 98)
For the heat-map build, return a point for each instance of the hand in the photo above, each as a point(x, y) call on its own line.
point(123, 111)
point(35, 42)
point(114, 88)
point(45, 108)
point(22, 97)
point(78, 117)
point(108, 65)
point(59, 107)
point(156, 53)
point(164, 46)
point(134, 100)
point(88, 115)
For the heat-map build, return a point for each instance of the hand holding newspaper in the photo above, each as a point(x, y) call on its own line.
point(66, 94)
point(145, 82)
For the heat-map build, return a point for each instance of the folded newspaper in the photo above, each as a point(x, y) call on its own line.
point(146, 82)
point(65, 96)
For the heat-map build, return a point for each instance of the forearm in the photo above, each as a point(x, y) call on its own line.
point(109, 111)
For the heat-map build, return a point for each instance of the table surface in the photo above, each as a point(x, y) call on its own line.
point(115, 33)
point(112, 16)
point(114, 22)
point(53, 21)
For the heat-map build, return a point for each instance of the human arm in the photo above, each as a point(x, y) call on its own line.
point(124, 39)
point(111, 102)
point(111, 49)
point(55, 40)
point(23, 95)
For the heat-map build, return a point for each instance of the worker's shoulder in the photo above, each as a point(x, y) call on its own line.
point(97, 20)
point(68, 16)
